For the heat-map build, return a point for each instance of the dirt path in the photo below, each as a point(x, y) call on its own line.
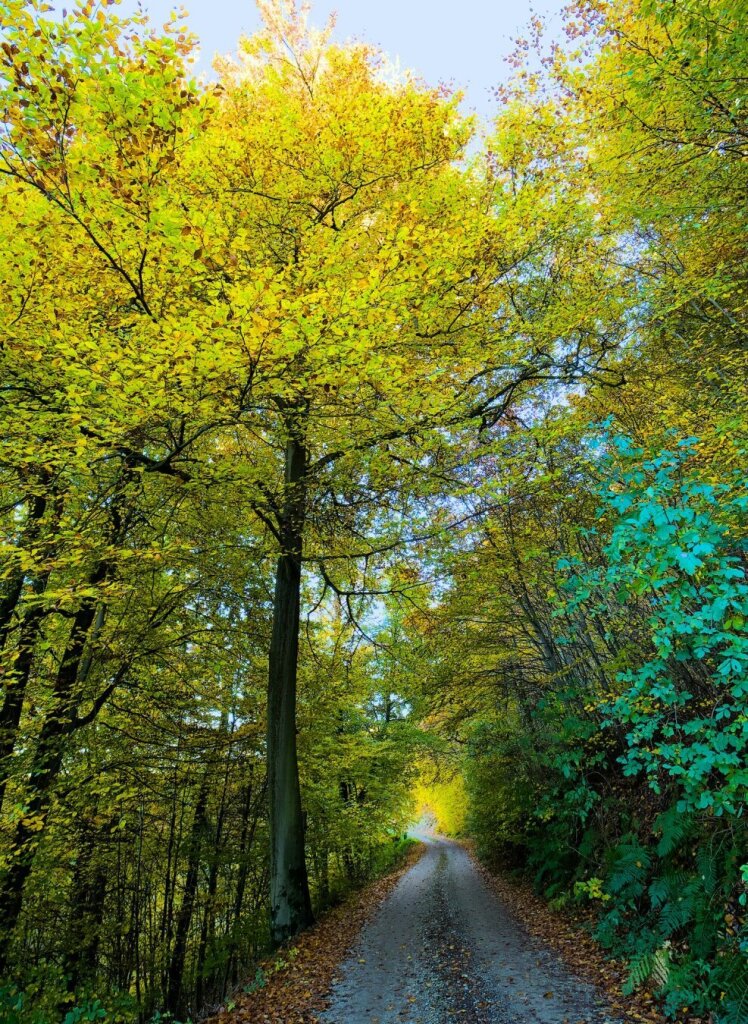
point(442, 949)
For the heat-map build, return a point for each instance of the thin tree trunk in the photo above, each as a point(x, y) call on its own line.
point(208, 926)
point(45, 769)
point(86, 909)
point(290, 902)
point(174, 996)
point(30, 625)
point(14, 586)
point(245, 845)
point(17, 682)
point(135, 912)
point(324, 876)
point(169, 909)
point(166, 909)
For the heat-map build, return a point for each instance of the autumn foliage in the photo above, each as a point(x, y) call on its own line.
point(354, 457)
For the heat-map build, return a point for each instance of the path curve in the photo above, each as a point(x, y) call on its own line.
point(443, 949)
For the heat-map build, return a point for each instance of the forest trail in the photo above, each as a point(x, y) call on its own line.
point(443, 949)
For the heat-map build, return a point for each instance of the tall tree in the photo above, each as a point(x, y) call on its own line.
point(280, 319)
point(366, 317)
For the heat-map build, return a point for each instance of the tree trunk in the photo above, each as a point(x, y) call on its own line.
point(45, 769)
point(324, 876)
point(30, 624)
point(207, 928)
point(290, 903)
point(86, 908)
point(174, 1000)
point(250, 818)
point(17, 682)
point(14, 586)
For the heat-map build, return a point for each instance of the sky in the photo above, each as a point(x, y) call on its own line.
point(459, 41)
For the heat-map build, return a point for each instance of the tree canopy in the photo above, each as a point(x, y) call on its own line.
point(357, 458)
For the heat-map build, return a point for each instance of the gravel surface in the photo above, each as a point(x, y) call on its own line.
point(442, 949)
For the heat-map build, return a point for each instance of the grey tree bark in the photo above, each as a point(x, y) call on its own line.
point(290, 902)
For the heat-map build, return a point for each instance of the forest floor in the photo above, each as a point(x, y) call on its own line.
point(441, 941)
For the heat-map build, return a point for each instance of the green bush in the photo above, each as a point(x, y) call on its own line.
point(629, 797)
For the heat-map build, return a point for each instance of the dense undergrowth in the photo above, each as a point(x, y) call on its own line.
point(623, 786)
point(48, 998)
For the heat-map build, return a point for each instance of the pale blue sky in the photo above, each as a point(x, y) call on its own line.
point(464, 41)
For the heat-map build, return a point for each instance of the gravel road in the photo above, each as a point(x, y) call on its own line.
point(442, 949)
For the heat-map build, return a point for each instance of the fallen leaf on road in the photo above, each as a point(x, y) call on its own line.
point(296, 993)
